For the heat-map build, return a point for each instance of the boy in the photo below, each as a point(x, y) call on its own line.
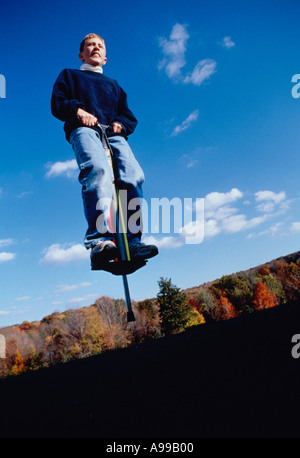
point(82, 98)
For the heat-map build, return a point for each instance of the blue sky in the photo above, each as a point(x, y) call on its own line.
point(211, 86)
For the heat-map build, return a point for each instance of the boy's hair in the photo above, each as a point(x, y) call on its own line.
point(87, 37)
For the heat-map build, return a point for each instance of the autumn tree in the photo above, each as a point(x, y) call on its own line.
point(276, 287)
point(19, 365)
point(149, 307)
point(33, 360)
point(207, 305)
point(54, 348)
point(92, 341)
point(113, 314)
point(263, 270)
point(11, 350)
point(147, 324)
point(111, 311)
point(196, 316)
point(289, 277)
point(225, 310)
point(263, 297)
point(238, 291)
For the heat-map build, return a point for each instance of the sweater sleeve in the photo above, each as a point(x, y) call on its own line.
point(125, 115)
point(63, 104)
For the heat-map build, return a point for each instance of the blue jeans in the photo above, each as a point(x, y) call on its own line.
point(96, 179)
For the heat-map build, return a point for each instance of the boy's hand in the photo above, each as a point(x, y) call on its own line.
point(86, 118)
point(117, 128)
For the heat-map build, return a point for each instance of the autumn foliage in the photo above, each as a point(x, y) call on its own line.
point(260, 288)
point(263, 297)
point(76, 334)
point(225, 310)
point(87, 331)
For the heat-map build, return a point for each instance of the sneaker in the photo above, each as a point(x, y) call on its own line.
point(103, 252)
point(138, 249)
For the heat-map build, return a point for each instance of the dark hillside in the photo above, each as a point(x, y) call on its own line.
point(234, 378)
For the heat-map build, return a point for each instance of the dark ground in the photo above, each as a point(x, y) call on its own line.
point(229, 379)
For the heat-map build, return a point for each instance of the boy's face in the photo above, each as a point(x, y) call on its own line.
point(94, 52)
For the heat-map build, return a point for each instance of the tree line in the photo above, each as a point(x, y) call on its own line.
point(80, 333)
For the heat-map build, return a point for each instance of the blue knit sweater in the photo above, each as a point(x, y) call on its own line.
point(95, 93)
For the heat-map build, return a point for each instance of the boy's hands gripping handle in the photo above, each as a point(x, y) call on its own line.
point(86, 118)
point(90, 120)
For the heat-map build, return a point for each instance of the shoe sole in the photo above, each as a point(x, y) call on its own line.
point(145, 256)
point(104, 256)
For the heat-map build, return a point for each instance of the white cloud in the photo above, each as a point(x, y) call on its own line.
point(215, 219)
point(24, 193)
point(88, 297)
point(164, 242)
point(269, 200)
point(4, 256)
point(270, 195)
point(295, 227)
point(220, 216)
point(59, 254)
point(238, 223)
point(211, 228)
point(225, 213)
point(274, 229)
point(22, 298)
point(6, 242)
point(66, 288)
point(186, 123)
point(174, 51)
point(66, 168)
point(214, 200)
point(228, 43)
point(191, 163)
point(203, 70)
